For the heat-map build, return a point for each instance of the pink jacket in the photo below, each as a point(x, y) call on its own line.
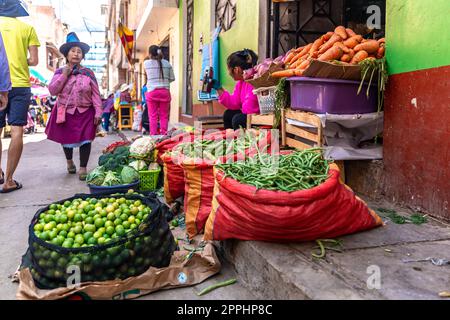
point(77, 92)
point(241, 99)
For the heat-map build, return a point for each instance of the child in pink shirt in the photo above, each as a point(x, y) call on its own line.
point(242, 102)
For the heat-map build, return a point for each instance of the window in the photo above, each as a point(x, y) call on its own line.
point(225, 13)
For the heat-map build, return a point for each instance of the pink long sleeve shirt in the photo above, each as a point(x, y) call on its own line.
point(76, 92)
point(241, 99)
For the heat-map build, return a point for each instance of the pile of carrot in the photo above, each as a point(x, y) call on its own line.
point(342, 45)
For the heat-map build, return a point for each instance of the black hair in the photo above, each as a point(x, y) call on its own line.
point(246, 59)
point(155, 53)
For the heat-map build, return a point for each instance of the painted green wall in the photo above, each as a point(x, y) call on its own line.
point(243, 34)
point(417, 34)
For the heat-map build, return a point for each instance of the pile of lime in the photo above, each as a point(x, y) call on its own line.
point(90, 222)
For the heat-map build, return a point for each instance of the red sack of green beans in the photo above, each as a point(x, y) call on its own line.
point(199, 182)
point(327, 211)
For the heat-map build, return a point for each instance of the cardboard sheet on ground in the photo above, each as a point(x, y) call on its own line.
point(344, 133)
point(180, 273)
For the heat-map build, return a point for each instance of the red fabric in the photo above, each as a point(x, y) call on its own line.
point(173, 180)
point(170, 144)
point(328, 211)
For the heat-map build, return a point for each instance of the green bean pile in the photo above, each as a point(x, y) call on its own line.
point(300, 170)
point(213, 150)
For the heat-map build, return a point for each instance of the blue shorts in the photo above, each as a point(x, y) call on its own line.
point(16, 112)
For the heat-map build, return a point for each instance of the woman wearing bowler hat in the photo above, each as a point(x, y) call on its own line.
point(78, 109)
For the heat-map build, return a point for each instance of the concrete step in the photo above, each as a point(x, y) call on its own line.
point(288, 271)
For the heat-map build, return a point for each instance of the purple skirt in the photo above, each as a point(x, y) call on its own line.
point(78, 128)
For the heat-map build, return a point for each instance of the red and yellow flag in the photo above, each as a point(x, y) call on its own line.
point(127, 38)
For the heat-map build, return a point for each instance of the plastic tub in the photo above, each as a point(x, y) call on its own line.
point(114, 189)
point(319, 95)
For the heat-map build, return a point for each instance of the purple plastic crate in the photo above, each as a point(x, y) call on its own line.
point(332, 96)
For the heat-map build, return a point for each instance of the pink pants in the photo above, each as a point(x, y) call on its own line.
point(158, 103)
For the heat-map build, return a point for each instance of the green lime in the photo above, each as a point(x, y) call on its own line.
point(60, 239)
point(137, 222)
point(84, 216)
point(92, 241)
point(123, 217)
point(89, 228)
point(52, 234)
point(145, 216)
point(117, 222)
point(79, 239)
point(99, 223)
point(102, 230)
point(48, 218)
point(131, 220)
point(106, 236)
point(101, 241)
point(139, 216)
point(78, 229)
point(120, 230)
point(110, 230)
point(87, 235)
point(70, 214)
point(77, 218)
point(111, 216)
point(71, 235)
point(38, 233)
point(92, 213)
point(97, 216)
point(67, 244)
point(65, 227)
point(38, 227)
point(109, 224)
point(97, 235)
point(48, 227)
point(126, 225)
point(133, 226)
point(67, 204)
point(89, 220)
point(137, 203)
point(63, 233)
point(93, 201)
point(53, 207)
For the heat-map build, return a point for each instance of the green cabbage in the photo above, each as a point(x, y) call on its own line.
point(129, 175)
point(96, 176)
point(111, 179)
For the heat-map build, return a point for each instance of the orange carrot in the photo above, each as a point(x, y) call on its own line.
point(299, 49)
point(350, 32)
point(302, 53)
point(346, 58)
point(290, 56)
point(316, 45)
point(352, 54)
point(283, 74)
point(341, 32)
point(382, 40)
point(335, 38)
point(315, 55)
point(305, 64)
point(352, 42)
point(370, 46)
point(335, 53)
point(299, 72)
point(381, 52)
point(342, 46)
point(359, 56)
point(327, 36)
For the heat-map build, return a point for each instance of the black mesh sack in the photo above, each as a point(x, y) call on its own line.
point(151, 244)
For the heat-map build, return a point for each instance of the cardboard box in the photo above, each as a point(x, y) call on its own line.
point(320, 69)
point(266, 81)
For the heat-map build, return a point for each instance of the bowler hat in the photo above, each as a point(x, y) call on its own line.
point(13, 8)
point(73, 41)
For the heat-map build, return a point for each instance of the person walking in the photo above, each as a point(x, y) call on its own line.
point(78, 111)
point(159, 76)
point(19, 40)
point(108, 107)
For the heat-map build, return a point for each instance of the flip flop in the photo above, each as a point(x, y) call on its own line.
point(83, 176)
point(2, 180)
point(18, 187)
point(72, 170)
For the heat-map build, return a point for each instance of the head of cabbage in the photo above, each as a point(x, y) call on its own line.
point(96, 176)
point(129, 175)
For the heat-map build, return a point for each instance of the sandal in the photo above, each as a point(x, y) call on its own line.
point(72, 170)
point(83, 176)
point(18, 187)
point(2, 180)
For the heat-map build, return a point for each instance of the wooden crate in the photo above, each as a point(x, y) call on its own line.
point(210, 122)
point(258, 121)
point(302, 138)
point(125, 121)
